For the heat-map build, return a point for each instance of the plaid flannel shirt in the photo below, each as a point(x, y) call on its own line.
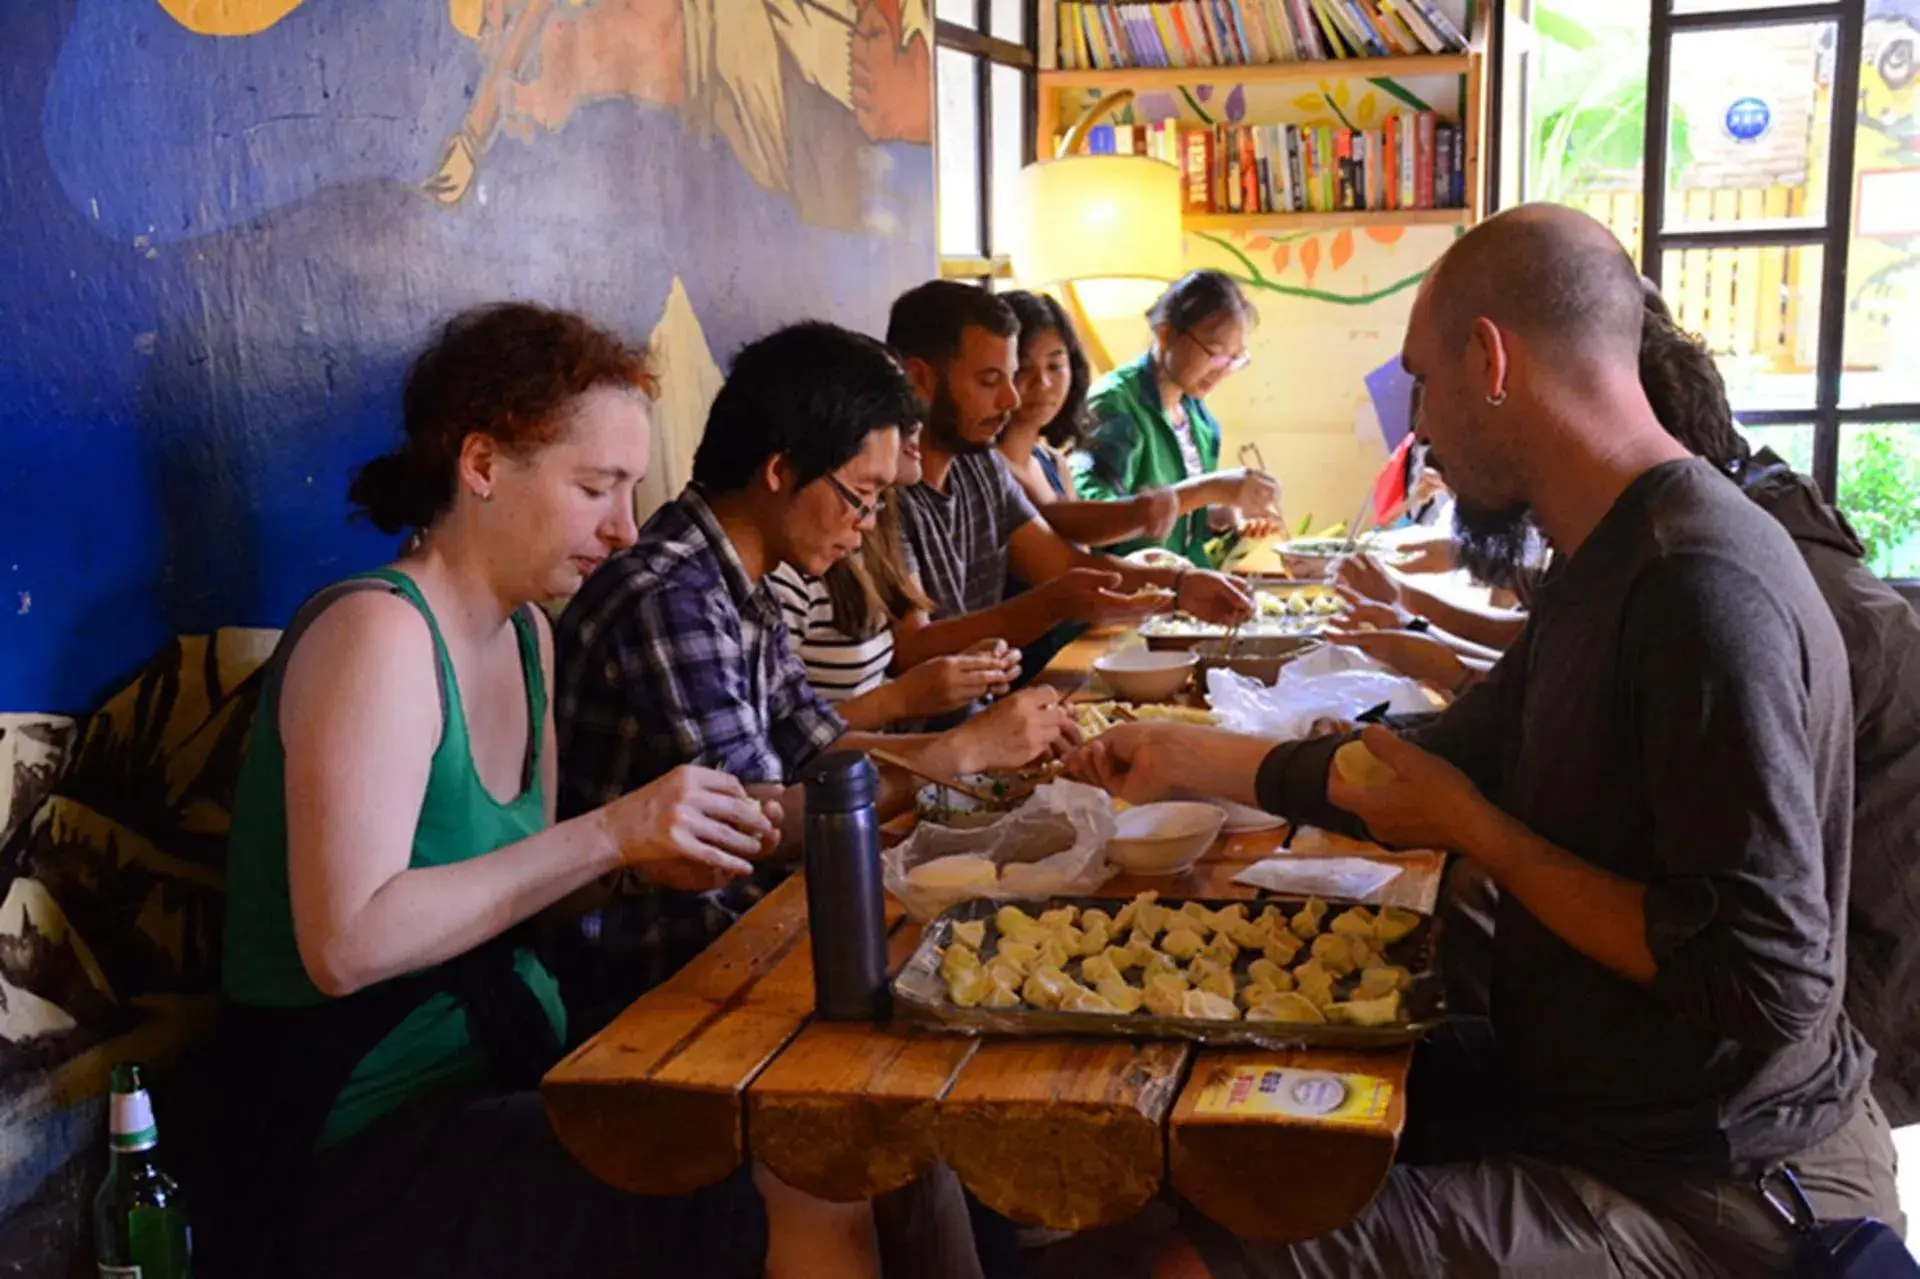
point(670, 656)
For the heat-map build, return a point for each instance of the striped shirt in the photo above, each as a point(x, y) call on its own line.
point(838, 666)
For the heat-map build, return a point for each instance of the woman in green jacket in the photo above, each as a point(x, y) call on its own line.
point(1152, 428)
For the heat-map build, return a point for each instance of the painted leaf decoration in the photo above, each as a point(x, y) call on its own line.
point(1385, 234)
point(1363, 114)
point(1310, 258)
point(1342, 249)
point(1340, 95)
point(1155, 107)
point(1307, 102)
point(1259, 244)
point(1203, 92)
point(1281, 256)
point(1237, 103)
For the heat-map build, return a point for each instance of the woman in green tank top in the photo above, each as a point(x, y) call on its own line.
point(394, 821)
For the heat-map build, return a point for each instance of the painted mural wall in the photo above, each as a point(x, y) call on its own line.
point(1333, 303)
point(225, 225)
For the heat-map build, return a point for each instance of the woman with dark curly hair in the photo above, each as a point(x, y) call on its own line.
point(393, 827)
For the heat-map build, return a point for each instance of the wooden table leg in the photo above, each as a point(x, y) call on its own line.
point(847, 1111)
point(1067, 1133)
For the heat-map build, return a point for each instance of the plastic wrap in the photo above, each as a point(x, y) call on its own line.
point(1055, 843)
point(1329, 683)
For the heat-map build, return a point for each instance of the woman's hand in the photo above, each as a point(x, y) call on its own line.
point(1253, 492)
point(692, 829)
point(1033, 724)
point(1158, 510)
point(1429, 555)
point(1213, 597)
point(1361, 612)
point(943, 684)
point(1365, 576)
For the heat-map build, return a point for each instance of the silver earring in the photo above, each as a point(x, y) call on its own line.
point(1498, 397)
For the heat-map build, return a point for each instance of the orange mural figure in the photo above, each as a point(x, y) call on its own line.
point(759, 73)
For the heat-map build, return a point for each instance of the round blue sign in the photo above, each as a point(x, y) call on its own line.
point(1748, 118)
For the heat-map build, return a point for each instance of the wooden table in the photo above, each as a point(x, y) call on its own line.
point(724, 1062)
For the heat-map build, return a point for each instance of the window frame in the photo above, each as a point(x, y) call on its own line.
point(989, 51)
point(1834, 237)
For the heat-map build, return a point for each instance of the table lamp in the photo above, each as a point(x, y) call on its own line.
point(1088, 217)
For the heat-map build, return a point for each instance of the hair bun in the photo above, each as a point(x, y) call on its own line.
point(397, 492)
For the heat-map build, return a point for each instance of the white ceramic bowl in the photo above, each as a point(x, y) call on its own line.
point(1145, 675)
point(1163, 839)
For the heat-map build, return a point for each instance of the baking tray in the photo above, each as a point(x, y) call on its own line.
point(921, 996)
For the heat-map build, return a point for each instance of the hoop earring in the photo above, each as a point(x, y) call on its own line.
point(1498, 397)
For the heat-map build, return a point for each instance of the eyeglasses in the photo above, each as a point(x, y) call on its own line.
point(1232, 362)
point(862, 511)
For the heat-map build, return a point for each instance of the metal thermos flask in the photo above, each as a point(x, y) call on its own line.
point(846, 914)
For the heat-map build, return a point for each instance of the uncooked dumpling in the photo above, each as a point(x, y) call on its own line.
point(1124, 998)
point(1182, 943)
point(1394, 923)
point(969, 986)
point(1383, 1011)
point(1207, 1005)
point(1357, 920)
point(1014, 924)
point(1268, 973)
point(955, 960)
point(1058, 917)
point(1097, 968)
point(1022, 954)
point(1219, 982)
point(1361, 767)
point(1286, 1006)
point(1046, 987)
point(1093, 940)
point(972, 934)
point(1082, 1000)
point(1306, 923)
point(1091, 918)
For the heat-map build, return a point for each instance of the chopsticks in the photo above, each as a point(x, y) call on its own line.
point(941, 780)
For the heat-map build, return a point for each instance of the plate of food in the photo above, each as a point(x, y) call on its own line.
point(1005, 792)
point(1266, 972)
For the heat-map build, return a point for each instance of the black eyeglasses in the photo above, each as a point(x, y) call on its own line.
point(862, 511)
point(1231, 361)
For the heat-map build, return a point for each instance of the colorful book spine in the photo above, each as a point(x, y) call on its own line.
point(1197, 153)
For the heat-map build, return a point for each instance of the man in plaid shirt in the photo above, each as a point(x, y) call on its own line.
point(675, 652)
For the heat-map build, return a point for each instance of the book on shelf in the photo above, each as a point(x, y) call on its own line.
point(1103, 35)
point(1411, 160)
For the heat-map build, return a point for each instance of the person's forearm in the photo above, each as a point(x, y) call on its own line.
point(1490, 630)
point(1598, 913)
point(883, 704)
point(1201, 490)
point(427, 915)
point(1019, 621)
point(1477, 655)
point(1133, 577)
point(1095, 523)
point(1216, 764)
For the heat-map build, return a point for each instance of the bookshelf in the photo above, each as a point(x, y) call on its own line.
point(1054, 85)
point(1266, 73)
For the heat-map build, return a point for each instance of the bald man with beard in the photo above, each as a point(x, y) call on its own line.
point(1658, 779)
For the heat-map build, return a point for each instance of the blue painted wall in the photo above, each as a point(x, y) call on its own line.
point(217, 254)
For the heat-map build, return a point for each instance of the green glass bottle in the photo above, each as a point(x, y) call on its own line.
point(140, 1229)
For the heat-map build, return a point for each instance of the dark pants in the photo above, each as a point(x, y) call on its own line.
point(483, 1188)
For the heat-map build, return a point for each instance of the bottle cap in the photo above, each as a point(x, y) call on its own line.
point(840, 782)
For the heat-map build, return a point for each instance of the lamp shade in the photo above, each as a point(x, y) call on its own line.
point(1085, 217)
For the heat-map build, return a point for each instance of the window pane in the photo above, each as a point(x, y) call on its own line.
point(1748, 128)
point(1584, 94)
point(958, 150)
point(1009, 149)
point(1758, 309)
point(1879, 476)
point(956, 11)
point(1882, 344)
point(1008, 20)
point(1794, 444)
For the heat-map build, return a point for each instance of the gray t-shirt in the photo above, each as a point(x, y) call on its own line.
point(1677, 713)
point(959, 537)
